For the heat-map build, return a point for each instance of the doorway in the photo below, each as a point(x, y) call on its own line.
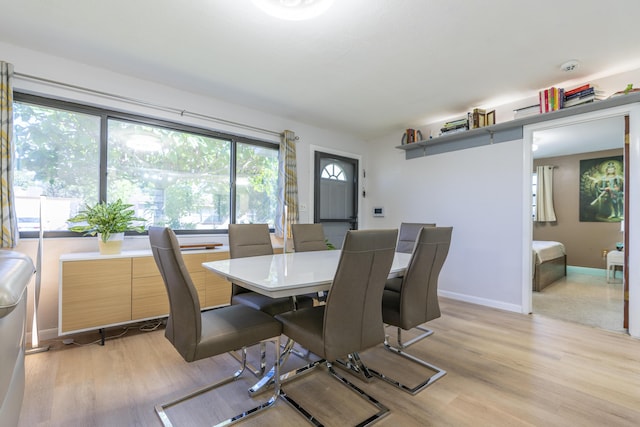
point(336, 195)
point(584, 295)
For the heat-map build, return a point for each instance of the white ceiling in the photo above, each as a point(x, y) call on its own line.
point(595, 135)
point(366, 67)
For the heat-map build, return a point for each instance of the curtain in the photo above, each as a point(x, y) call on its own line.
point(287, 185)
point(7, 208)
point(544, 195)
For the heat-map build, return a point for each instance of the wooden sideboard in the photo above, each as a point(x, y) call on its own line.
point(98, 291)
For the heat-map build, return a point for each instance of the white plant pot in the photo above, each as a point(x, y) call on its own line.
point(112, 246)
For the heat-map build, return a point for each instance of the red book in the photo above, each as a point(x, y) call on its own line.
point(576, 90)
point(546, 100)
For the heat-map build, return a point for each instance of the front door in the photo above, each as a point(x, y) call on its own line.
point(336, 195)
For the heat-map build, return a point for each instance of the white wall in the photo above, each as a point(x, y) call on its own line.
point(27, 62)
point(473, 190)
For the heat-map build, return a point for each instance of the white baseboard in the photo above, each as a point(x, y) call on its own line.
point(481, 301)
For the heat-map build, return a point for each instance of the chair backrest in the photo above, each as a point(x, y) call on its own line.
point(247, 240)
point(308, 237)
point(408, 235)
point(353, 311)
point(184, 323)
point(419, 290)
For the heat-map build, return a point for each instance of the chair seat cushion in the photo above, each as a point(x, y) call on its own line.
point(394, 284)
point(271, 306)
point(233, 327)
point(305, 326)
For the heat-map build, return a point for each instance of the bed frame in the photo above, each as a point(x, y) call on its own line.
point(548, 272)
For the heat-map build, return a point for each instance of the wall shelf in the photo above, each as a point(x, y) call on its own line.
point(506, 131)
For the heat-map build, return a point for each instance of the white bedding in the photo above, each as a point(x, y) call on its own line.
point(546, 250)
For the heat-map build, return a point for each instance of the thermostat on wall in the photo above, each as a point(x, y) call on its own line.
point(378, 211)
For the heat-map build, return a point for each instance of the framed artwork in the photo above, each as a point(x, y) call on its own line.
point(602, 189)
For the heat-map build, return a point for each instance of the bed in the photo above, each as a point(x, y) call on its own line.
point(549, 263)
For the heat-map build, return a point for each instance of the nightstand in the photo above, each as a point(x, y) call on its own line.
point(614, 259)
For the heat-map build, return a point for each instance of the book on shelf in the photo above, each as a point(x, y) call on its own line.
point(455, 123)
point(551, 99)
point(576, 90)
point(531, 110)
point(491, 118)
point(477, 118)
point(455, 129)
point(582, 100)
point(455, 126)
point(580, 94)
point(452, 131)
point(410, 136)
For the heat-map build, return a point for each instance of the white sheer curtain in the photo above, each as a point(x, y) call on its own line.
point(544, 196)
point(7, 208)
point(287, 185)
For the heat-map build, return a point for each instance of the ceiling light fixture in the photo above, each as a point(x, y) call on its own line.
point(570, 66)
point(293, 10)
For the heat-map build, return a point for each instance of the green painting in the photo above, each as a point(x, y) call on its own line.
point(602, 189)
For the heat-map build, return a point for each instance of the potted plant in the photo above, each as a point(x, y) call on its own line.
point(109, 221)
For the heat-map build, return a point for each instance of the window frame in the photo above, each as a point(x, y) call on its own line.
point(105, 114)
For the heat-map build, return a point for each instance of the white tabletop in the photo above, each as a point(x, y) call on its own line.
point(289, 274)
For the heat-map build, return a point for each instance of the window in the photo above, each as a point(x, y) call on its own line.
point(333, 171)
point(57, 156)
point(256, 184)
point(174, 175)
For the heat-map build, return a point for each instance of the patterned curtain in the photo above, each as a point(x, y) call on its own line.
point(287, 184)
point(544, 195)
point(7, 208)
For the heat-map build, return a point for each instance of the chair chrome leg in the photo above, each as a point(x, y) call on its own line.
point(313, 420)
point(267, 381)
point(258, 372)
point(382, 410)
point(164, 418)
point(401, 345)
point(439, 373)
point(354, 365)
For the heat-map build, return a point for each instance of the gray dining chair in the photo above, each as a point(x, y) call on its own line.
point(408, 234)
point(308, 237)
point(417, 301)
point(198, 335)
point(246, 240)
point(351, 320)
point(406, 241)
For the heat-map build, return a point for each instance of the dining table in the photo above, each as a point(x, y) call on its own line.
point(290, 274)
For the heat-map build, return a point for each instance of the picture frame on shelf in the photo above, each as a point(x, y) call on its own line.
point(491, 118)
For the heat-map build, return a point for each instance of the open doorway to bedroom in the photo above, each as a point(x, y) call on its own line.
point(585, 163)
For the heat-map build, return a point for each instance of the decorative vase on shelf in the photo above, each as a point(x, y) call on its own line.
point(113, 244)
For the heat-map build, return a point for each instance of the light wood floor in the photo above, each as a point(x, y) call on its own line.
point(504, 369)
